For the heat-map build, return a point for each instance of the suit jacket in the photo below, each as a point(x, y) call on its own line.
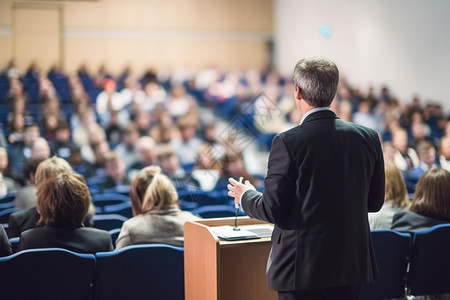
point(409, 221)
point(80, 240)
point(5, 245)
point(22, 220)
point(323, 177)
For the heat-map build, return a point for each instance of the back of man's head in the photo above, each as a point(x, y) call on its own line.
point(317, 78)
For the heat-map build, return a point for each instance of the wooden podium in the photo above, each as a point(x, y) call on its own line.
point(218, 269)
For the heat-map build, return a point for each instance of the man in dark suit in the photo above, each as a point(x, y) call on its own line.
point(323, 177)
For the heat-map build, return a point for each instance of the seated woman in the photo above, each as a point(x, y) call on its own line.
point(430, 205)
point(139, 185)
point(160, 220)
point(395, 198)
point(63, 202)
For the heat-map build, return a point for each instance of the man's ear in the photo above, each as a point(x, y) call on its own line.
point(298, 93)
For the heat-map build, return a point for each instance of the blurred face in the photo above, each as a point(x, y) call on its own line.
point(147, 155)
point(235, 168)
point(429, 157)
point(400, 141)
point(101, 151)
point(169, 164)
point(418, 130)
point(40, 149)
point(31, 134)
point(130, 139)
point(3, 160)
point(187, 133)
point(116, 170)
point(63, 135)
point(445, 148)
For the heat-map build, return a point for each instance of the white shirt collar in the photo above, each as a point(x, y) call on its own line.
point(311, 112)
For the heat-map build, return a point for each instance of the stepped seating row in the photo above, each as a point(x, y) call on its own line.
point(153, 271)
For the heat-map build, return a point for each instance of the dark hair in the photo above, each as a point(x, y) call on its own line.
point(63, 200)
point(317, 78)
point(31, 166)
point(432, 196)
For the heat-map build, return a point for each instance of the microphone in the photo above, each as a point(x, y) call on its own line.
point(237, 206)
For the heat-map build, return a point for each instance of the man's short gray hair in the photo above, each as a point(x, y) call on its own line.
point(317, 78)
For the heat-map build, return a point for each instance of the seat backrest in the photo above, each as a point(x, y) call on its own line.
point(216, 211)
point(392, 250)
point(430, 261)
point(8, 197)
point(50, 273)
point(108, 221)
point(150, 271)
point(123, 209)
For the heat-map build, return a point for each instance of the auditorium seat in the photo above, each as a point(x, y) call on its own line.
point(123, 209)
point(391, 251)
point(430, 261)
point(51, 273)
point(216, 211)
point(5, 213)
point(109, 221)
point(151, 271)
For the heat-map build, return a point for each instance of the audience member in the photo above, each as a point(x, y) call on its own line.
point(208, 167)
point(115, 172)
point(63, 202)
point(139, 185)
point(170, 166)
point(427, 160)
point(28, 218)
point(233, 166)
point(19, 152)
point(395, 198)
point(25, 197)
point(40, 149)
point(405, 158)
point(127, 149)
point(161, 220)
point(110, 100)
point(444, 152)
point(146, 148)
point(430, 205)
point(63, 146)
point(11, 180)
point(187, 147)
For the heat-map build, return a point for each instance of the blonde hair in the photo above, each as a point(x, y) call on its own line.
point(160, 192)
point(139, 186)
point(49, 167)
point(395, 188)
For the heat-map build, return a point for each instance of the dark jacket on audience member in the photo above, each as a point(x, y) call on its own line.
point(21, 221)
point(28, 218)
point(81, 240)
point(409, 221)
point(5, 246)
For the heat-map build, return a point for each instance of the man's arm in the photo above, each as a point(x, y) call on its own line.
point(376, 190)
point(276, 203)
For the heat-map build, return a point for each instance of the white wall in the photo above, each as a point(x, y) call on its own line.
point(404, 44)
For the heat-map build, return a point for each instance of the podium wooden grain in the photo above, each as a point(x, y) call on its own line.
point(222, 270)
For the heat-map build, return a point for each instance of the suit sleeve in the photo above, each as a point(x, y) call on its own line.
point(276, 203)
point(376, 189)
point(13, 230)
